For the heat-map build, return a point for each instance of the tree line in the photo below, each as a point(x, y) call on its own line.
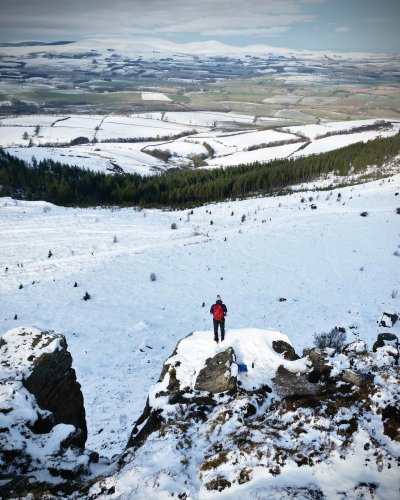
point(73, 186)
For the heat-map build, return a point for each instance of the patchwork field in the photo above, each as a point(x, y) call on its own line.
point(148, 143)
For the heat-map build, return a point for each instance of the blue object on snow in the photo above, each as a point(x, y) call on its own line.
point(242, 368)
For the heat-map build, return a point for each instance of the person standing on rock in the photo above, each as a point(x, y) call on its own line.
point(219, 311)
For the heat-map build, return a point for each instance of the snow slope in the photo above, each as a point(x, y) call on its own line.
point(333, 267)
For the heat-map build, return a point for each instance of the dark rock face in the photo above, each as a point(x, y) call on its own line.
point(388, 320)
point(282, 347)
point(152, 421)
point(54, 385)
point(385, 339)
point(216, 375)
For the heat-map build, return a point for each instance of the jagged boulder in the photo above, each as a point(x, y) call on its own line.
point(53, 383)
point(219, 374)
point(42, 416)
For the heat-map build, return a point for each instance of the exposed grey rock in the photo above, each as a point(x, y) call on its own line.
point(216, 375)
point(282, 347)
point(357, 379)
point(287, 383)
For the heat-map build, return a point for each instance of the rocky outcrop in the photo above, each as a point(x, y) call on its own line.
point(42, 416)
point(219, 374)
point(53, 383)
point(284, 348)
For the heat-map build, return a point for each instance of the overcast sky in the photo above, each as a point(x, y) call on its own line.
point(340, 25)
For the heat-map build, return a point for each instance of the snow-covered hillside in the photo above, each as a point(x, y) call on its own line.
point(276, 262)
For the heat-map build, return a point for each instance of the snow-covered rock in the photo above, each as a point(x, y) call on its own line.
point(340, 441)
point(42, 417)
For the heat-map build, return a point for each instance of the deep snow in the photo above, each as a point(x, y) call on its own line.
point(334, 267)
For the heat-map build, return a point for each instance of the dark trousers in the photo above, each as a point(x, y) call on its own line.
point(221, 324)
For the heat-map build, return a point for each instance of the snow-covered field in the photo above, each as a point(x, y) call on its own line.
point(154, 96)
point(100, 157)
point(333, 267)
point(230, 147)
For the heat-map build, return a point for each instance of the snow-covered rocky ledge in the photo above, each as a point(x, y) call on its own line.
point(249, 418)
point(42, 417)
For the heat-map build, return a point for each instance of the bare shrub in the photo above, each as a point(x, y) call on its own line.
point(335, 339)
point(153, 277)
point(174, 225)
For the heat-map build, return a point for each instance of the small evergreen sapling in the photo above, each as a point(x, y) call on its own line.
point(86, 296)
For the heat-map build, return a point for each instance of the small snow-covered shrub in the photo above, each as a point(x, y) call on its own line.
point(153, 277)
point(335, 339)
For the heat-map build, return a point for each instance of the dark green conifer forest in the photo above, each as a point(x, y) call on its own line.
point(72, 186)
